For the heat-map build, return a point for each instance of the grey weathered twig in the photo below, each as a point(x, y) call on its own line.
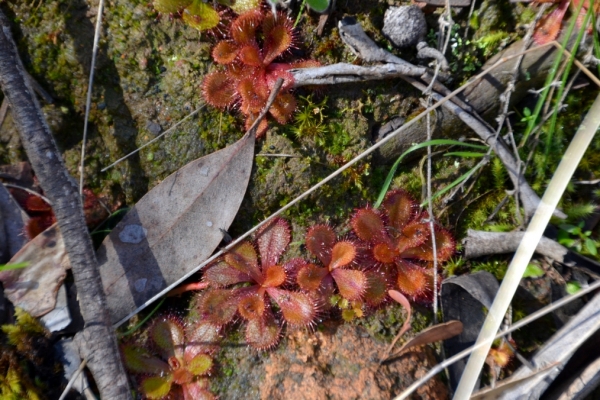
point(97, 340)
point(344, 73)
point(482, 243)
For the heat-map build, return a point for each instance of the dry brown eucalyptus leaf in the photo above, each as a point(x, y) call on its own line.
point(34, 287)
point(174, 227)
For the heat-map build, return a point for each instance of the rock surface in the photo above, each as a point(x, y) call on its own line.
point(337, 362)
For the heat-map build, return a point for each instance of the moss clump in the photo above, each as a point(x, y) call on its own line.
point(27, 365)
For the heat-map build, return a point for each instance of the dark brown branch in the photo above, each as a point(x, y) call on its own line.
point(99, 344)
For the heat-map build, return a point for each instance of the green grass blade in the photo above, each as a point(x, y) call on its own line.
point(561, 89)
point(9, 267)
point(434, 142)
point(551, 75)
point(452, 185)
point(465, 154)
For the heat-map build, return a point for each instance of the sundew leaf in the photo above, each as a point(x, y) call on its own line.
point(352, 284)
point(272, 241)
point(298, 309)
point(156, 387)
point(201, 16)
point(168, 334)
point(319, 6)
point(200, 365)
point(263, 333)
point(140, 361)
point(174, 227)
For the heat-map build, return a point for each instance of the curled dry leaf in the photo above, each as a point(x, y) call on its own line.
point(403, 301)
point(34, 287)
point(433, 334)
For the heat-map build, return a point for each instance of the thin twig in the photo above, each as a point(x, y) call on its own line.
point(72, 380)
point(155, 139)
point(88, 100)
point(33, 192)
point(278, 155)
point(97, 341)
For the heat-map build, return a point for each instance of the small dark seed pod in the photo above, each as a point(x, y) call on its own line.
point(404, 26)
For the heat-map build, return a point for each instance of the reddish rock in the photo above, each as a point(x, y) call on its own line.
point(342, 364)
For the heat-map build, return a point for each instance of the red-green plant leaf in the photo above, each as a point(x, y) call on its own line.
point(279, 34)
point(201, 16)
point(383, 253)
point(254, 95)
point(156, 387)
point(140, 361)
point(180, 374)
point(283, 107)
point(413, 280)
point(548, 27)
point(377, 286)
point(244, 259)
point(243, 29)
point(275, 71)
point(444, 243)
point(400, 209)
point(368, 225)
point(225, 52)
point(298, 309)
point(197, 390)
point(202, 337)
point(274, 275)
point(169, 336)
point(414, 234)
point(342, 254)
point(37, 204)
point(319, 241)
point(252, 306)
point(250, 55)
point(222, 275)
point(219, 90)
point(153, 246)
point(263, 333)
point(199, 365)
point(352, 284)
point(217, 306)
point(272, 241)
point(310, 277)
